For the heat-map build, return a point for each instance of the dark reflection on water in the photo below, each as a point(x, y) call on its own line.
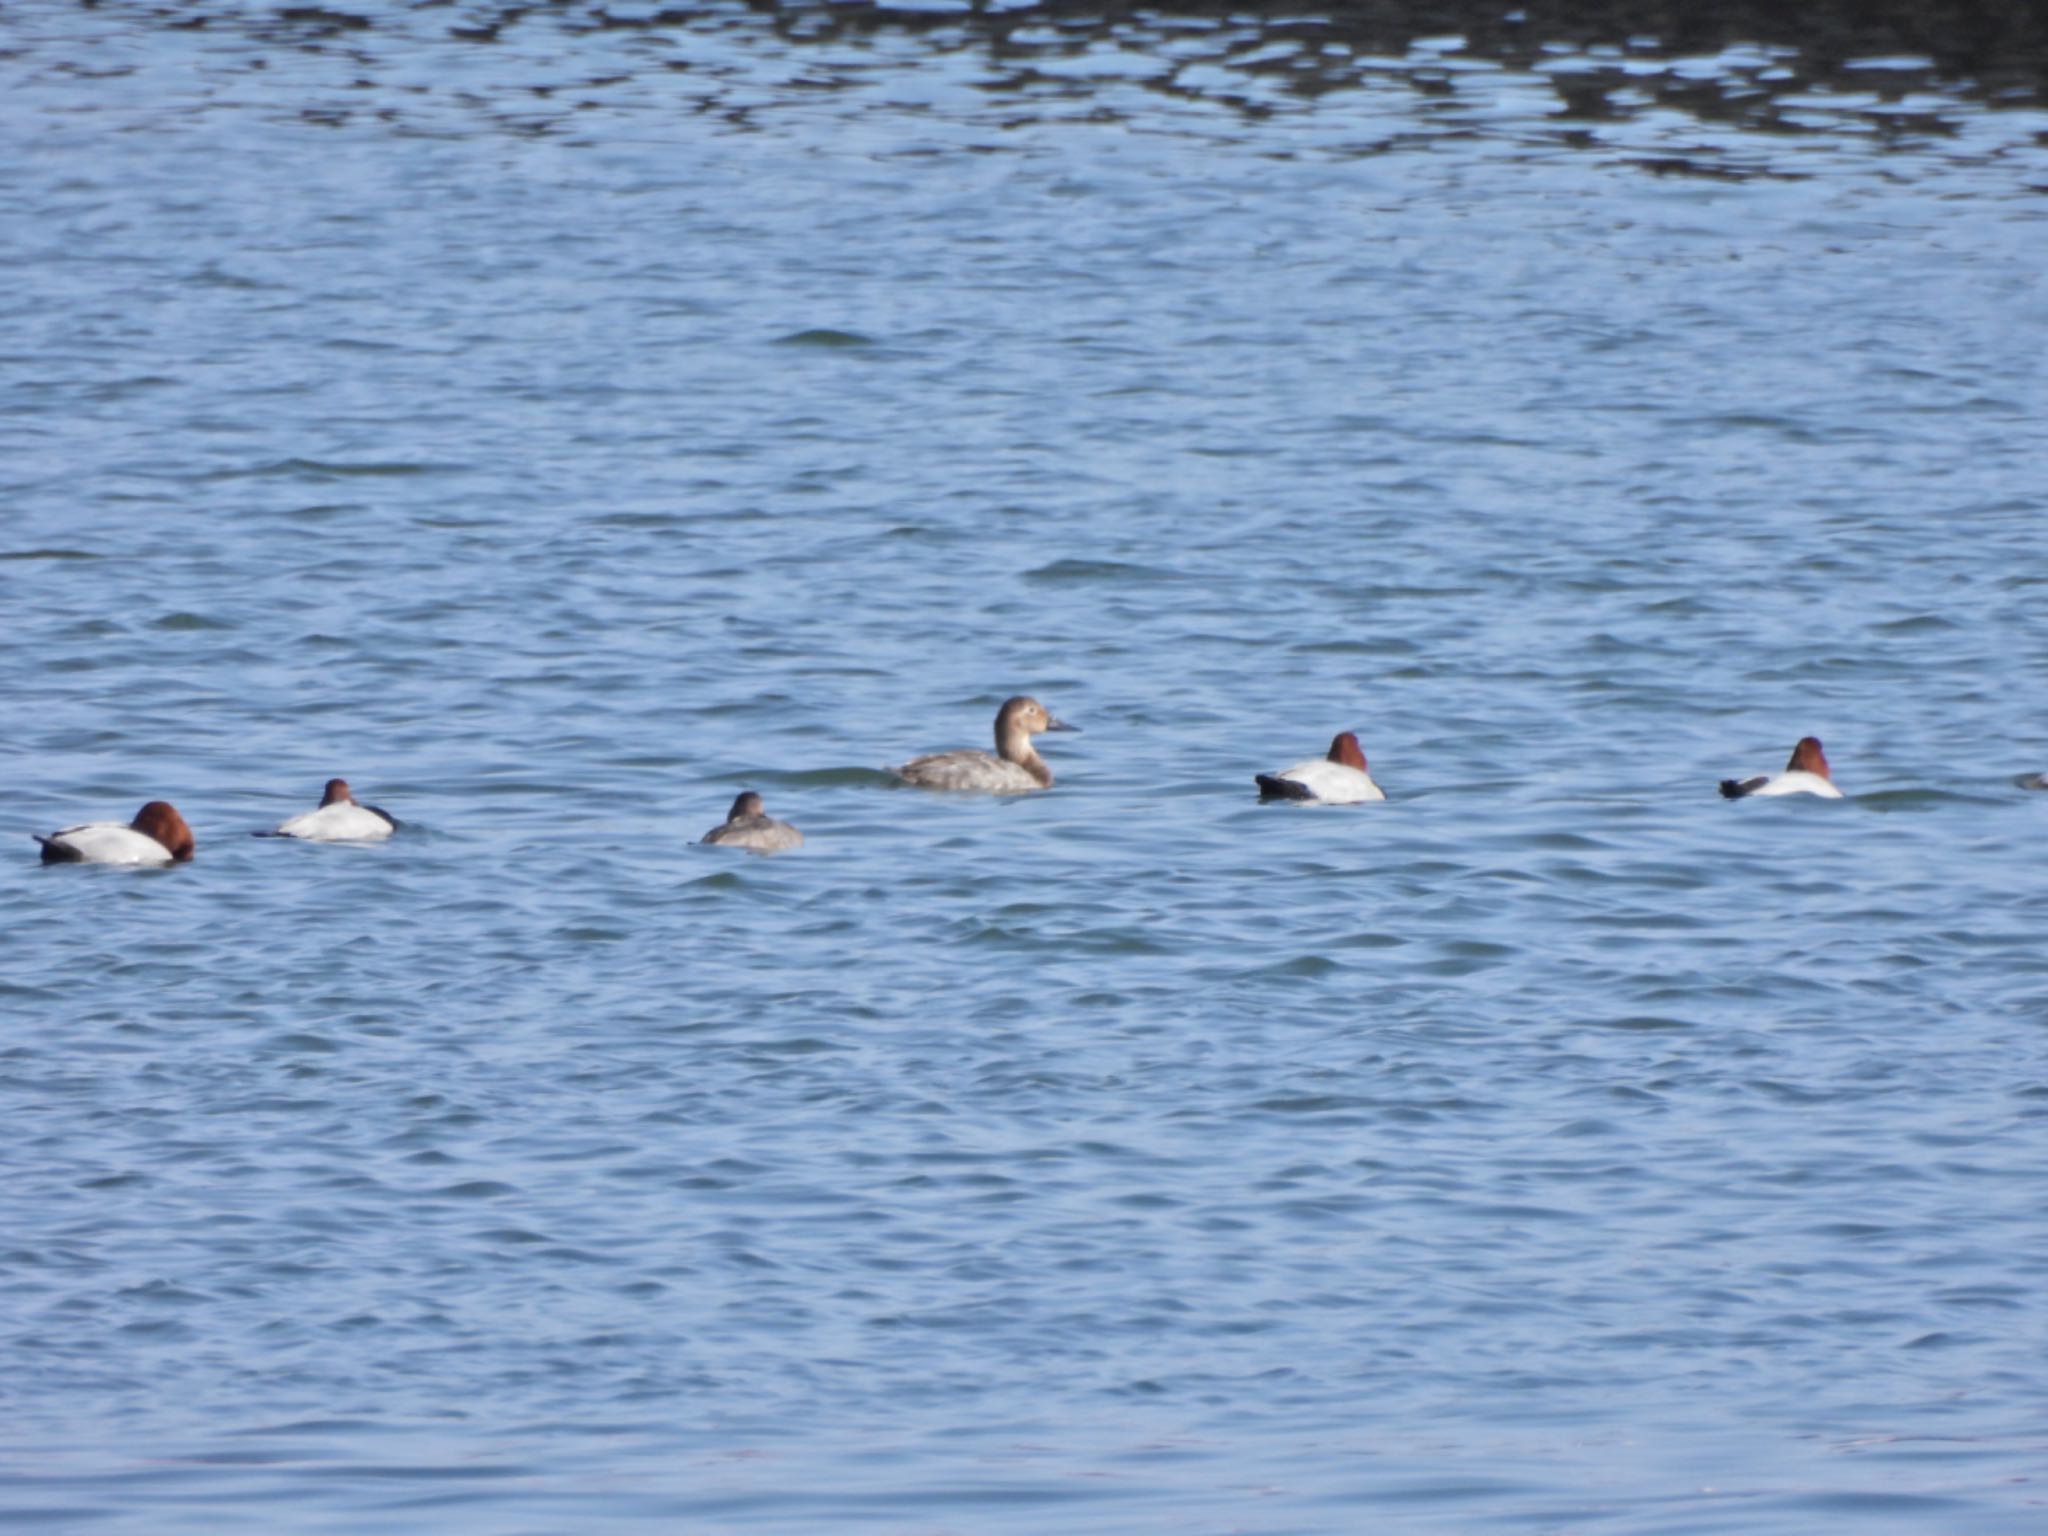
point(1900, 71)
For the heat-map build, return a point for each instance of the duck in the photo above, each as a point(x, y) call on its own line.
point(1339, 778)
point(1805, 774)
point(2035, 781)
point(341, 818)
point(157, 835)
point(1015, 769)
point(747, 825)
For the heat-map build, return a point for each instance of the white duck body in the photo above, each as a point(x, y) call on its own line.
point(103, 842)
point(1795, 782)
point(341, 818)
point(1340, 778)
point(1805, 774)
point(157, 835)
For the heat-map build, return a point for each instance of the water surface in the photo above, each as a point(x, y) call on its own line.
point(555, 420)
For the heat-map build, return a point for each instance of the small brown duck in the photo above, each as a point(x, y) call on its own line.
point(747, 825)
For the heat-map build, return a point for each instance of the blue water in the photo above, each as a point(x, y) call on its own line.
point(557, 429)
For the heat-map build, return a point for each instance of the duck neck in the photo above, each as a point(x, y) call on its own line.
point(1014, 746)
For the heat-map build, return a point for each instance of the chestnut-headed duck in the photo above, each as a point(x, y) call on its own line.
point(341, 818)
point(1336, 779)
point(157, 835)
point(1805, 774)
point(1015, 770)
point(748, 826)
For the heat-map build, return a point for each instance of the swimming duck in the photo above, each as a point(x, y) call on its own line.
point(2035, 781)
point(1337, 779)
point(341, 818)
point(1016, 769)
point(748, 826)
point(1805, 774)
point(157, 835)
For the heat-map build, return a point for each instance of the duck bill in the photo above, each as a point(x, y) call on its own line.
point(1059, 725)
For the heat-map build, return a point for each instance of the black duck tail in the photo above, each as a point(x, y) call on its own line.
point(1271, 788)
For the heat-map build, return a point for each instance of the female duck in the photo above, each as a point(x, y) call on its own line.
point(1338, 779)
point(748, 826)
point(1805, 774)
point(341, 818)
point(1016, 769)
point(157, 835)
